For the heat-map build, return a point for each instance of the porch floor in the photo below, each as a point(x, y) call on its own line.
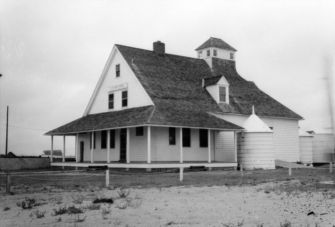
point(145, 165)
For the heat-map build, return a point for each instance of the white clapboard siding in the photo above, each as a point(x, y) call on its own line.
point(323, 148)
point(256, 151)
point(285, 135)
point(224, 147)
point(306, 149)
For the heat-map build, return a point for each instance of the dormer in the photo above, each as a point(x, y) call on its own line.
point(217, 48)
point(218, 88)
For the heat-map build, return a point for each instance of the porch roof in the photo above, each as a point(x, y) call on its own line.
point(140, 116)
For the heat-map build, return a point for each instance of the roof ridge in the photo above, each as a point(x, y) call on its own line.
point(169, 54)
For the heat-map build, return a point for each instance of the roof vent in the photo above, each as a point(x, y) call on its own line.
point(159, 47)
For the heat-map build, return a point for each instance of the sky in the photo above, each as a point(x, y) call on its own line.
point(53, 52)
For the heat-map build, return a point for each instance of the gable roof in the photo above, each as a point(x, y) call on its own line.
point(244, 94)
point(216, 42)
point(174, 83)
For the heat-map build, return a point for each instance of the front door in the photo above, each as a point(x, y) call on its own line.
point(82, 151)
point(123, 145)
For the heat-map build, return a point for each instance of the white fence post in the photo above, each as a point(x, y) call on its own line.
point(181, 174)
point(107, 177)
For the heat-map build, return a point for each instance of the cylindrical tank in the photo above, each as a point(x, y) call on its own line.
point(256, 150)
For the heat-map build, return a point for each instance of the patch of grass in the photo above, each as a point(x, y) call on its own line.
point(122, 204)
point(74, 210)
point(60, 211)
point(79, 218)
point(93, 206)
point(78, 199)
point(27, 203)
point(38, 214)
point(123, 193)
point(6, 208)
point(103, 200)
point(67, 210)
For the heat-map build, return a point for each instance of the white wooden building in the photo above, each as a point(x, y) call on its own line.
point(154, 109)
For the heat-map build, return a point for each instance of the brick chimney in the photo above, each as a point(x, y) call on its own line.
point(159, 47)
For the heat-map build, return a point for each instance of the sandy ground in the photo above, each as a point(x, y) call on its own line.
point(261, 205)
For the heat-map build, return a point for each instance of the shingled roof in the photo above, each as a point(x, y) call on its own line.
point(244, 94)
point(174, 83)
point(216, 42)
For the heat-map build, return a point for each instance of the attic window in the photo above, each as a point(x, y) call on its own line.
point(117, 70)
point(208, 52)
point(222, 94)
point(215, 53)
point(231, 56)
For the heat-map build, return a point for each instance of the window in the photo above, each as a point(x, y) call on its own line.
point(124, 98)
point(199, 54)
point(111, 101)
point(222, 94)
point(208, 52)
point(203, 137)
point(93, 140)
point(117, 70)
point(112, 139)
point(232, 56)
point(139, 131)
point(172, 136)
point(103, 139)
point(215, 53)
point(186, 137)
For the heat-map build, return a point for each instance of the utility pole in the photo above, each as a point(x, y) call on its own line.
point(7, 131)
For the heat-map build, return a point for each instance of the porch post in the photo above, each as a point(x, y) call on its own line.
point(52, 148)
point(108, 146)
point(209, 146)
point(92, 147)
point(235, 145)
point(127, 150)
point(149, 145)
point(76, 147)
point(181, 145)
point(63, 155)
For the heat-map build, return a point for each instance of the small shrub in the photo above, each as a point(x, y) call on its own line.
point(74, 210)
point(6, 208)
point(78, 199)
point(93, 207)
point(79, 218)
point(123, 193)
point(104, 200)
point(123, 204)
point(60, 211)
point(27, 203)
point(38, 214)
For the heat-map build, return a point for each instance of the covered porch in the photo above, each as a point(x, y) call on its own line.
point(149, 146)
